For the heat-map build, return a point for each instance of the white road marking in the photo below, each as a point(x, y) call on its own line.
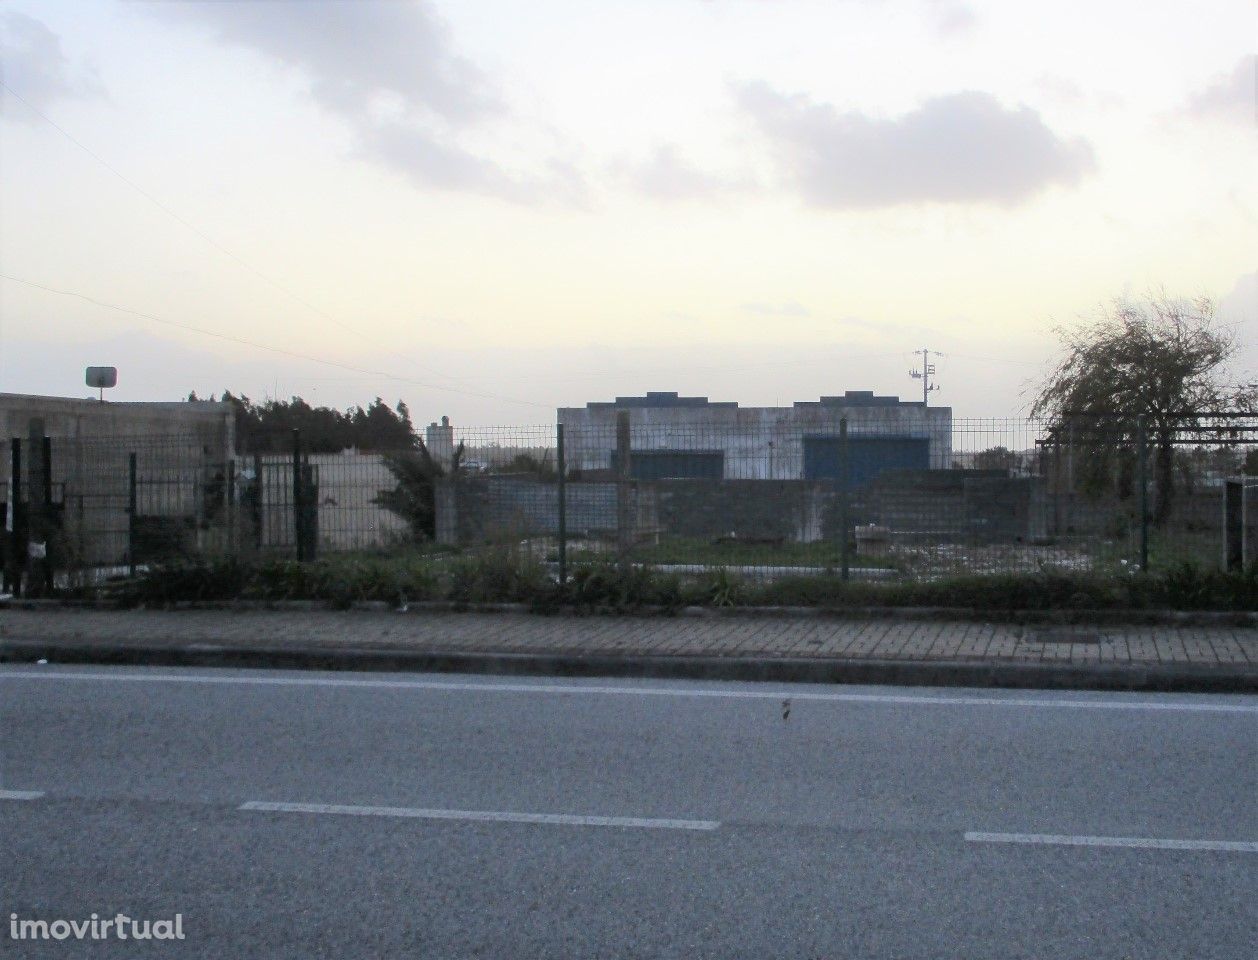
point(1153, 843)
point(21, 794)
point(466, 686)
point(497, 816)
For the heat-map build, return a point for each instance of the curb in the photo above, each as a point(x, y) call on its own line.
point(1183, 678)
point(1063, 617)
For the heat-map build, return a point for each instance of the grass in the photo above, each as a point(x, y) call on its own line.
point(730, 553)
point(1169, 549)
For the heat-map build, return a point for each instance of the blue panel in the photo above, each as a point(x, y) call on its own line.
point(867, 457)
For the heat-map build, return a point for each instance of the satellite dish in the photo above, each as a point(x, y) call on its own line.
point(102, 378)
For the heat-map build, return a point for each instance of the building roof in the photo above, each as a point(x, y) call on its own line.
point(859, 398)
point(659, 399)
point(671, 399)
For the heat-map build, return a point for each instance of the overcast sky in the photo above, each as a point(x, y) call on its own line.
point(492, 208)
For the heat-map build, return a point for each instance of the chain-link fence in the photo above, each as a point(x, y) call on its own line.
point(866, 497)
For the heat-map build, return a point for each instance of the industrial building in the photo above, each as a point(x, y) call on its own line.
point(204, 423)
point(676, 437)
point(87, 505)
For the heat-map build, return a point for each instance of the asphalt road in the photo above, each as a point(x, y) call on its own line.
point(334, 815)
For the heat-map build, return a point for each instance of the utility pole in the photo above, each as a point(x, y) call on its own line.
point(924, 374)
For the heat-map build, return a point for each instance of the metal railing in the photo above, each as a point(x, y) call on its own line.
point(862, 496)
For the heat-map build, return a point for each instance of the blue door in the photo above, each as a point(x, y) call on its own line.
point(867, 457)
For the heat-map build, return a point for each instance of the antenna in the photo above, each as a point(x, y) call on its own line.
point(925, 373)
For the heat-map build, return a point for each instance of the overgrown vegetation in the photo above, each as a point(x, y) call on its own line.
point(504, 574)
point(824, 554)
point(268, 426)
point(414, 497)
point(1162, 363)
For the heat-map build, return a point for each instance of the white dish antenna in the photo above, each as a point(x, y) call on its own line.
point(102, 378)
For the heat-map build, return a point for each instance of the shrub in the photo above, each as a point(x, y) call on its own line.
point(604, 585)
point(496, 574)
point(506, 574)
point(214, 579)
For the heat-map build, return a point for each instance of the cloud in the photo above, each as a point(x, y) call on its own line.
point(950, 17)
point(1232, 96)
point(391, 72)
point(355, 53)
point(34, 66)
point(429, 162)
point(668, 176)
point(961, 148)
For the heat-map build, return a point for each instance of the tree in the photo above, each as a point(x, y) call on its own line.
point(379, 428)
point(268, 426)
point(528, 463)
point(414, 496)
point(996, 458)
point(1162, 359)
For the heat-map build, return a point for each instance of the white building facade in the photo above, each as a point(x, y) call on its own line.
point(676, 437)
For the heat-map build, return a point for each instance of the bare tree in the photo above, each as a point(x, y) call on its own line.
point(1161, 358)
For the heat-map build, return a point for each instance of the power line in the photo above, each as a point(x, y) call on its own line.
point(192, 227)
point(262, 346)
point(721, 368)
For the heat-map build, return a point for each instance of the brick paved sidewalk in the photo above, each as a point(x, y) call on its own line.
point(518, 633)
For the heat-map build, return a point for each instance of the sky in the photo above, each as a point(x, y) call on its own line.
point(490, 209)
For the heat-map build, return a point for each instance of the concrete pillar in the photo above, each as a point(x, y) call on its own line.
point(439, 438)
point(624, 511)
point(446, 508)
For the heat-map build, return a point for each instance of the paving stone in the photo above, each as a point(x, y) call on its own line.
point(660, 636)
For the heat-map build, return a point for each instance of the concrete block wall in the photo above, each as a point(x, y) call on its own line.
point(174, 442)
point(918, 506)
point(212, 424)
point(969, 506)
point(787, 510)
point(477, 509)
point(346, 488)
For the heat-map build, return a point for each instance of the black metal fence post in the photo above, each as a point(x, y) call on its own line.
point(310, 508)
point(46, 516)
point(1058, 483)
point(299, 518)
point(1234, 519)
point(16, 559)
point(1143, 460)
point(231, 508)
point(844, 557)
point(132, 508)
point(624, 529)
point(256, 492)
point(561, 465)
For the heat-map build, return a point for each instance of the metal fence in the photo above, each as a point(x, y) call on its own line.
point(862, 498)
